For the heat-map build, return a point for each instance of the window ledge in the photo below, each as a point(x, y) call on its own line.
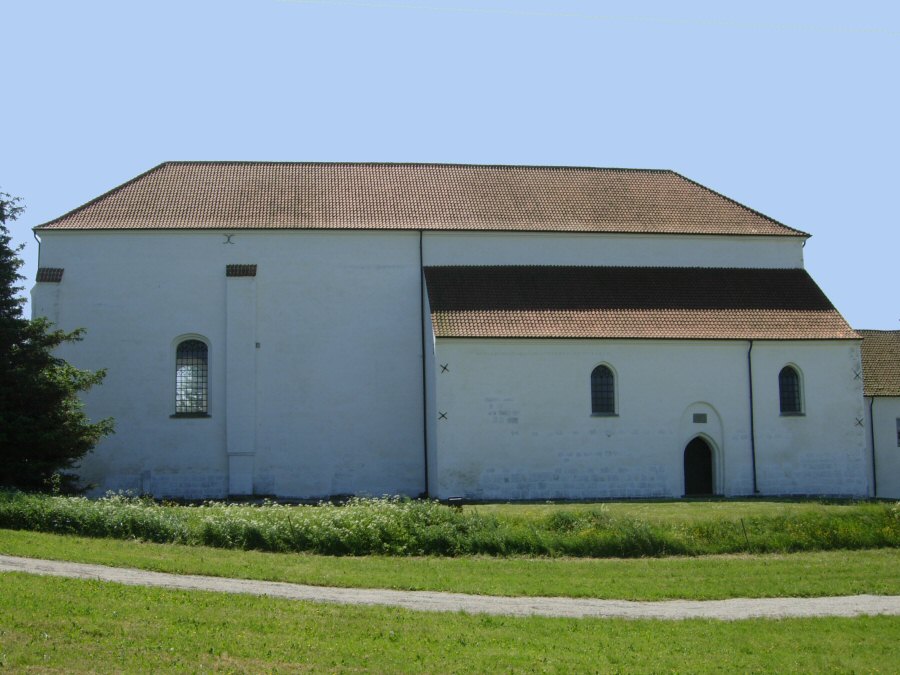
point(188, 415)
point(612, 414)
point(793, 414)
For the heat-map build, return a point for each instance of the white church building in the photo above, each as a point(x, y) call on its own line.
point(306, 330)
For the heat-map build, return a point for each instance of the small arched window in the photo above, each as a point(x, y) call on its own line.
point(789, 391)
point(191, 378)
point(603, 391)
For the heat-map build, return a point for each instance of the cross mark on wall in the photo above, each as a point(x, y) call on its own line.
point(445, 367)
point(859, 421)
point(442, 415)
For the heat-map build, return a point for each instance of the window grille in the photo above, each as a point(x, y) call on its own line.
point(789, 391)
point(603, 393)
point(192, 378)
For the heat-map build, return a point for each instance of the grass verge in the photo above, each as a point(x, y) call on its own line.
point(74, 625)
point(701, 578)
point(678, 511)
point(393, 526)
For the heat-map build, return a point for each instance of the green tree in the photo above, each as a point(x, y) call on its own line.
point(43, 429)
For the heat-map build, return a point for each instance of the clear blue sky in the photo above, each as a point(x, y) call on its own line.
point(788, 107)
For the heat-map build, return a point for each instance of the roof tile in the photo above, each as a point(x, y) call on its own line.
point(881, 362)
point(240, 270)
point(630, 302)
point(49, 274)
point(286, 195)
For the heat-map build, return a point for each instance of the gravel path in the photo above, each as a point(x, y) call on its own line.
point(431, 601)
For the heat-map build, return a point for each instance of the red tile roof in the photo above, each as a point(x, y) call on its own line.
point(630, 302)
point(49, 274)
point(240, 270)
point(286, 195)
point(881, 362)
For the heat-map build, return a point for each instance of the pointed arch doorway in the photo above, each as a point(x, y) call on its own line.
point(698, 468)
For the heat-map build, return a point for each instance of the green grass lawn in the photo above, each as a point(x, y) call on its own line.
point(707, 577)
point(49, 624)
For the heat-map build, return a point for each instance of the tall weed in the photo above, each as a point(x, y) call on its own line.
point(397, 526)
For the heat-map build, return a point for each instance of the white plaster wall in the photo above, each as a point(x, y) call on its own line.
point(886, 410)
point(241, 386)
point(337, 388)
point(338, 371)
point(824, 450)
point(645, 250)
point(45, 300)
point(519, 425)
point(432, 368)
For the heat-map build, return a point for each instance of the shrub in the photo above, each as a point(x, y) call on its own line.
point(397, 526)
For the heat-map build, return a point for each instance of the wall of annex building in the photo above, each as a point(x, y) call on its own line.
point(886, 428)
point(515, 418)
point(642, 250)
point(315, 364)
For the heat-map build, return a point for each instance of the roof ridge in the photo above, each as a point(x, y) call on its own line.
point(562, 167)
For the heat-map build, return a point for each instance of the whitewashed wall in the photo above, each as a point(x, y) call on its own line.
point(642, 250)
point(822, 451)
point(336, 381)
point(519, 425)
point(331, 400)
point(886, 410)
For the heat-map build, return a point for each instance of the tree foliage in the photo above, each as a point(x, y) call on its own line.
point(43, 429)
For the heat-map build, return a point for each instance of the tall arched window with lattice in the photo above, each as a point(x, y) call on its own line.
point(789, 391)
point(192, 378)
point(603, 391)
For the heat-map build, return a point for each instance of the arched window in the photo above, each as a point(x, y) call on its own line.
point(789, 391)
point(191, 378)
point(603, 391)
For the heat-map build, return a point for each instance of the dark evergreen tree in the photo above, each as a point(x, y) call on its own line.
point(43, 430)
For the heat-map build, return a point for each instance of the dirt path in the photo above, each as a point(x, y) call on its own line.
point(431, 601)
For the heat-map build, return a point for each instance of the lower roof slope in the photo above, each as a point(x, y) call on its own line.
point(881, 362)
point(630, 302)
point(321, 195)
